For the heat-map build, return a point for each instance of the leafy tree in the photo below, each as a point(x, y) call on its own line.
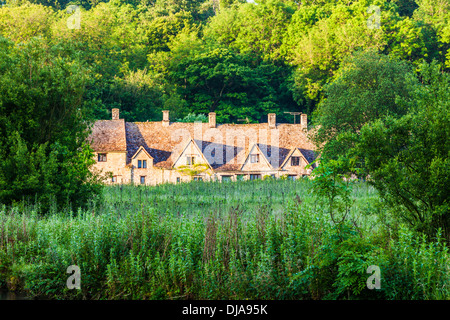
point(213, 78)
point(253, 29)
point(406, 7)
point(319, 49)
point(366, 87)
point(44, 154)
point(408, 158)
point(21, 23)
point(434, 15)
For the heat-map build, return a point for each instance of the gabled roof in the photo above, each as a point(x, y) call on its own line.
point(191, 141)
point(165, 143)
point(290, 154)
point(141, 148)
point(255, 146)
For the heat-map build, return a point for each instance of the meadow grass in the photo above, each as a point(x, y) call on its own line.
point(240, 240)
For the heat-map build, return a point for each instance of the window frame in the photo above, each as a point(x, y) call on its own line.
point(254, 158)
point(297, 158)
point(101, 157)
point(190, 160)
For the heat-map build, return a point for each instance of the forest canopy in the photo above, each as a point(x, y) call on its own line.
point(236, 58)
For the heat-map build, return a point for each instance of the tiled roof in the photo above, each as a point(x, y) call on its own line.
point(108, 136)
point(165, 143)
point(226, 141)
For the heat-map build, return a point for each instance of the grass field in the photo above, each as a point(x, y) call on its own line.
point(269, 239)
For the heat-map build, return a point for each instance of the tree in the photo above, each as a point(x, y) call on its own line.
point(213, 78)
point(408, 158)
point(366, 87)
point(21, 23)
point(44, 154)
point(322, 40)
point(253, 29)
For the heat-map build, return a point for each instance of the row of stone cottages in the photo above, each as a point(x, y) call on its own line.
point(162, 151)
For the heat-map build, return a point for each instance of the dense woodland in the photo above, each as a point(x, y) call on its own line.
point(235, 58)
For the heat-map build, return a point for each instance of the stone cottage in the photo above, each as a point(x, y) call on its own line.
point(162, 151)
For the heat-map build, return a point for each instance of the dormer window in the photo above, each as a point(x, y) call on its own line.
point(295, 161)
point(142, 164)
point(102, 157)
point(254, 158)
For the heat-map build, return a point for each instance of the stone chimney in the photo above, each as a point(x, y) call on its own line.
point(165, 121)
point(212, 119)
point(115, 114)
point(272, 120)
point(304, 120)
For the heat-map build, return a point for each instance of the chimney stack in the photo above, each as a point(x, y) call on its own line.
point(212, 119)
point(272, 119)
point(304, 120)
point(165, 121)
point(115, 114)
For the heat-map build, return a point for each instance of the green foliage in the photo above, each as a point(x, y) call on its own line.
point(192, 117)
point(408, 158)
point(245, 60)
point(43, 150)
point(194, 170)
point(367, 86)
point(331, 183)
point(245, 240)
point(214, 78)
point(415, 268)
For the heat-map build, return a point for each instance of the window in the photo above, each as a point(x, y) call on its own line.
point(254, 158)
point(292, 177)
point(226, 178)
point(295, 161)
point(114, 179)
point(190, 160)
point(178, 179)
point(102, 157)
point(142, 164)
point(142, 179)
point(240, 177)
point(255, 176)
point(198, 179)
